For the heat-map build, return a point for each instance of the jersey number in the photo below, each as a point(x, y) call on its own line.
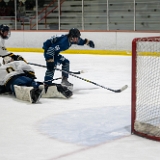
point(9, 69)
point(57, 47)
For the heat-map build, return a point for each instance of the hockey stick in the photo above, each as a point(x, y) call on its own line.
point(39, 65)
point(53, 79)
point(112, 90)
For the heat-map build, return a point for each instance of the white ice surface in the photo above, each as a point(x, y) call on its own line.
point(94, 124)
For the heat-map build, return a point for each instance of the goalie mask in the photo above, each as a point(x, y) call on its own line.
point(74, 35)
point(5, 31)
point(7, 60)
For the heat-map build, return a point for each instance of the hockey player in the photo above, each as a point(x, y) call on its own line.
point(4, 35)
point(18, 77)
point(14, 78)
point(52, 48)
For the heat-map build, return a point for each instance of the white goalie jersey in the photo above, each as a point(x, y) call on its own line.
point(12, 69)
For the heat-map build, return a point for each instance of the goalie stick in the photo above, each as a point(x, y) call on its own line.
point(110, 89)
point(39, 65)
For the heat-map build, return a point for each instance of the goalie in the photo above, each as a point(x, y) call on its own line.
point(13, 79)
point(18, 77)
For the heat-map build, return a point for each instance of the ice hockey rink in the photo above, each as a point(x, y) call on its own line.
point(94, 124)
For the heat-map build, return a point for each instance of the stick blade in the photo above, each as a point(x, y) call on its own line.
point(122, 89)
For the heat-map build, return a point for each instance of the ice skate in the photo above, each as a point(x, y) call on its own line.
point(67, 84)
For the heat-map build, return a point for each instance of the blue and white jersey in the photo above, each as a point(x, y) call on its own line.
point(56, 44)
point(11, 69)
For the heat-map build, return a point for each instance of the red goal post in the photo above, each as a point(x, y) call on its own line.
point(145, 99)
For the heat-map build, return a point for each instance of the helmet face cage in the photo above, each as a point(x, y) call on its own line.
point(74, 33)
point(7, 60)
point(5, 28)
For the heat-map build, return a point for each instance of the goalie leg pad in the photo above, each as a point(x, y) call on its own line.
point(28, 93)
point(64, 90)
point(23, 93)
point(54, 91)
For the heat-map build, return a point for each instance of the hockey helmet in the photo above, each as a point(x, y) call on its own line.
point(74, 33)
point(3, 29)
point(7, 60)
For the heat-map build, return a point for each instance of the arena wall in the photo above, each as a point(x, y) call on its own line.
point(107, 43)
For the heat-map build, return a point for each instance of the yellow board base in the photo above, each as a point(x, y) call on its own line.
point(75, 51)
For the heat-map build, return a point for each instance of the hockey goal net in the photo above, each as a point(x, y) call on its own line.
point(146, 87)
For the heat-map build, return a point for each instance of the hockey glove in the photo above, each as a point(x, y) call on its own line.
point(91, 44)
point(30, 74)
point(18, 58)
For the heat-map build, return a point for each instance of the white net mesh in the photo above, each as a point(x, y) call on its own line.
point(148, 87)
